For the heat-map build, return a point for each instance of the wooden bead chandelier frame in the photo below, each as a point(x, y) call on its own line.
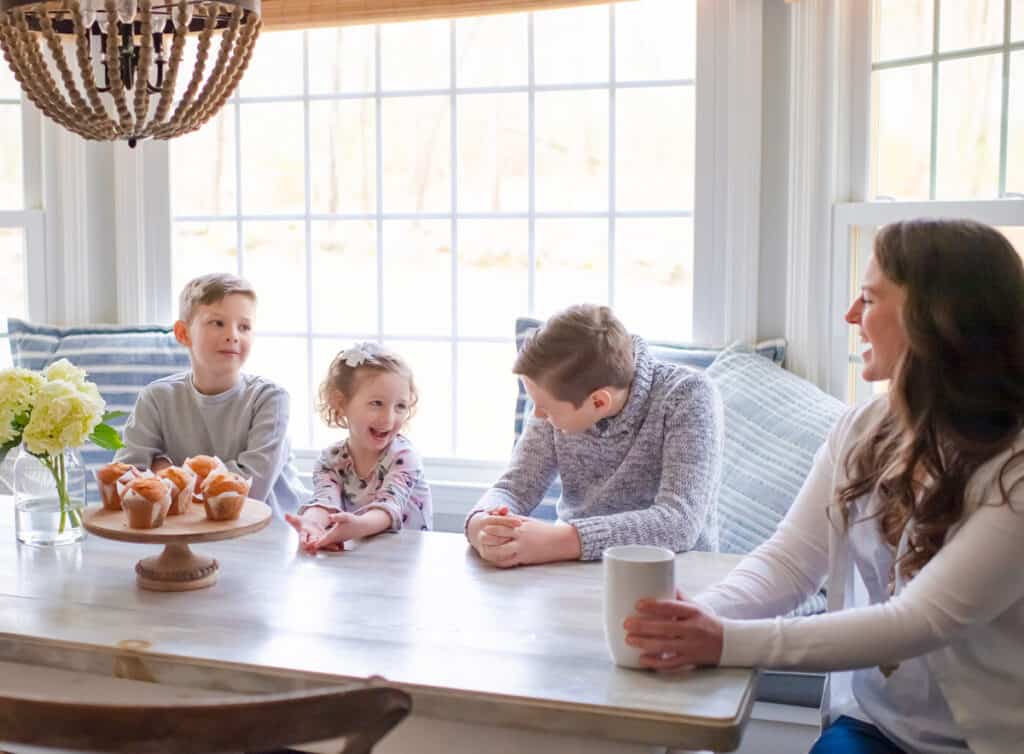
point(135, 48)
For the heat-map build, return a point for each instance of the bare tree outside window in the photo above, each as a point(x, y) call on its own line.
point(424, 184)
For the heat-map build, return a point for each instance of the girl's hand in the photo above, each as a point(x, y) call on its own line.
point(674, 634)
point(312, 525)
point(341, 526)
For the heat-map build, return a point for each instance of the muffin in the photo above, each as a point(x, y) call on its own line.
point(183, 485)
point(202, 467)
point(107, 478)
point(224, 495)
point(146, 501)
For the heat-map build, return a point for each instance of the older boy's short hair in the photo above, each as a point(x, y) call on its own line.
point(577, 351)
point(209, 289)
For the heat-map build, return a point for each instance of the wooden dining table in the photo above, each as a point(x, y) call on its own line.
point(496, 660)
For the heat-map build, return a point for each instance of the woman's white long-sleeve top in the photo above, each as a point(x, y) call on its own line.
point(963, 612)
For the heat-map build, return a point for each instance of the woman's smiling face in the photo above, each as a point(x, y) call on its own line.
point(878, 312)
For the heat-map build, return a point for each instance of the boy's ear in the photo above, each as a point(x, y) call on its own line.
point(181, 333)
point(600, 400)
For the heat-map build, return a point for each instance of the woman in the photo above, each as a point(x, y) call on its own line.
point(912, 517)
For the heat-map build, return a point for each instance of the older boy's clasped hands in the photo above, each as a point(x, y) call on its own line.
point(506, 539)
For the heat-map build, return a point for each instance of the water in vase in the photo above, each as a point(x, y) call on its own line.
point(37, 521)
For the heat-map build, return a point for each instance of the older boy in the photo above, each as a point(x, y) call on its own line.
point(637, 443)
point(214, 409)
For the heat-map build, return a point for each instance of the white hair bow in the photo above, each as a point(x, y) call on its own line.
point(357, 354)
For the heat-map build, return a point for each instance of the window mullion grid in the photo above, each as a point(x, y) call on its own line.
point(239, 236)
point(308, 223)
point(635, 214)
point(612, 104)
point(1004, 111)
point(943, 56)
point(934, 156)
point(531, 157)
point(454, 241)
point(583, 86)
point(379, 167)
point(934, 59)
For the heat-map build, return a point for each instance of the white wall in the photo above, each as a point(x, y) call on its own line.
point(78, 196)
point(771, 314)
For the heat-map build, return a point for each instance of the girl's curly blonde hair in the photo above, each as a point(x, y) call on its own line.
point(350, 367)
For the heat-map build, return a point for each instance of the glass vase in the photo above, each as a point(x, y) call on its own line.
point(44, 514)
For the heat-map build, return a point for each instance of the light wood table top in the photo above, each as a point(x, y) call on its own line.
point(522, 647)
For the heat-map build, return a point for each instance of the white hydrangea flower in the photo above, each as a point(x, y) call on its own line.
point(18, 389)
point(64, 416)
point(65, 370)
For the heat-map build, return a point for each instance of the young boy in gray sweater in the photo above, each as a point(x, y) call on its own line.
point(214, 409)
point(637, 443)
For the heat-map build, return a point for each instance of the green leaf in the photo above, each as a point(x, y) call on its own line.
point(8, 447)
point(114, 415)
point(106, 437)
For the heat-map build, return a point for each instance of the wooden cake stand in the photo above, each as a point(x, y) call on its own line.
point(177, 568)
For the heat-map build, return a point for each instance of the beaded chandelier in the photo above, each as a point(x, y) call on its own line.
point(108, 69)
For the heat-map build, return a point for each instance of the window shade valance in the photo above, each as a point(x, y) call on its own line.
point(307, 14)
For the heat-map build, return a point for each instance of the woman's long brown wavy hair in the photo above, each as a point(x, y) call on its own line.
point(957, 394)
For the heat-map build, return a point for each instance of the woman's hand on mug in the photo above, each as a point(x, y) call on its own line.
point(674, 634)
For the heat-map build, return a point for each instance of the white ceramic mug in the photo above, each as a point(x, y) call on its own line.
point(632, 572)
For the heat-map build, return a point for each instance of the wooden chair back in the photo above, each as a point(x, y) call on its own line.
point(258, 723)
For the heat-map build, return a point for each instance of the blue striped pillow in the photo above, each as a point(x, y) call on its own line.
point(774, 424)
point(120, 359)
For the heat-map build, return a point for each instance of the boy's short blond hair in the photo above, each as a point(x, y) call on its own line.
point(577, 351)
point(209, 289)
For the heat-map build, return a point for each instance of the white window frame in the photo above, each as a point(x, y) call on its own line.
point(726, 212)
point(933, 58)
point(851, 247)
point(30, 220)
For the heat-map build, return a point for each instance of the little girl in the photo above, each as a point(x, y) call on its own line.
point(373, 481)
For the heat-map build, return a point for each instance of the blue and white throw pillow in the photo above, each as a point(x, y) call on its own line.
point(120, 359)
point(775, 422)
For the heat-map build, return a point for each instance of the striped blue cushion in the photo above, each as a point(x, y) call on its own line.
point(120, 359)
point(774, 424)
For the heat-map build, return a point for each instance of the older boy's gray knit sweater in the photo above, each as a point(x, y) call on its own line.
point(648, 475)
